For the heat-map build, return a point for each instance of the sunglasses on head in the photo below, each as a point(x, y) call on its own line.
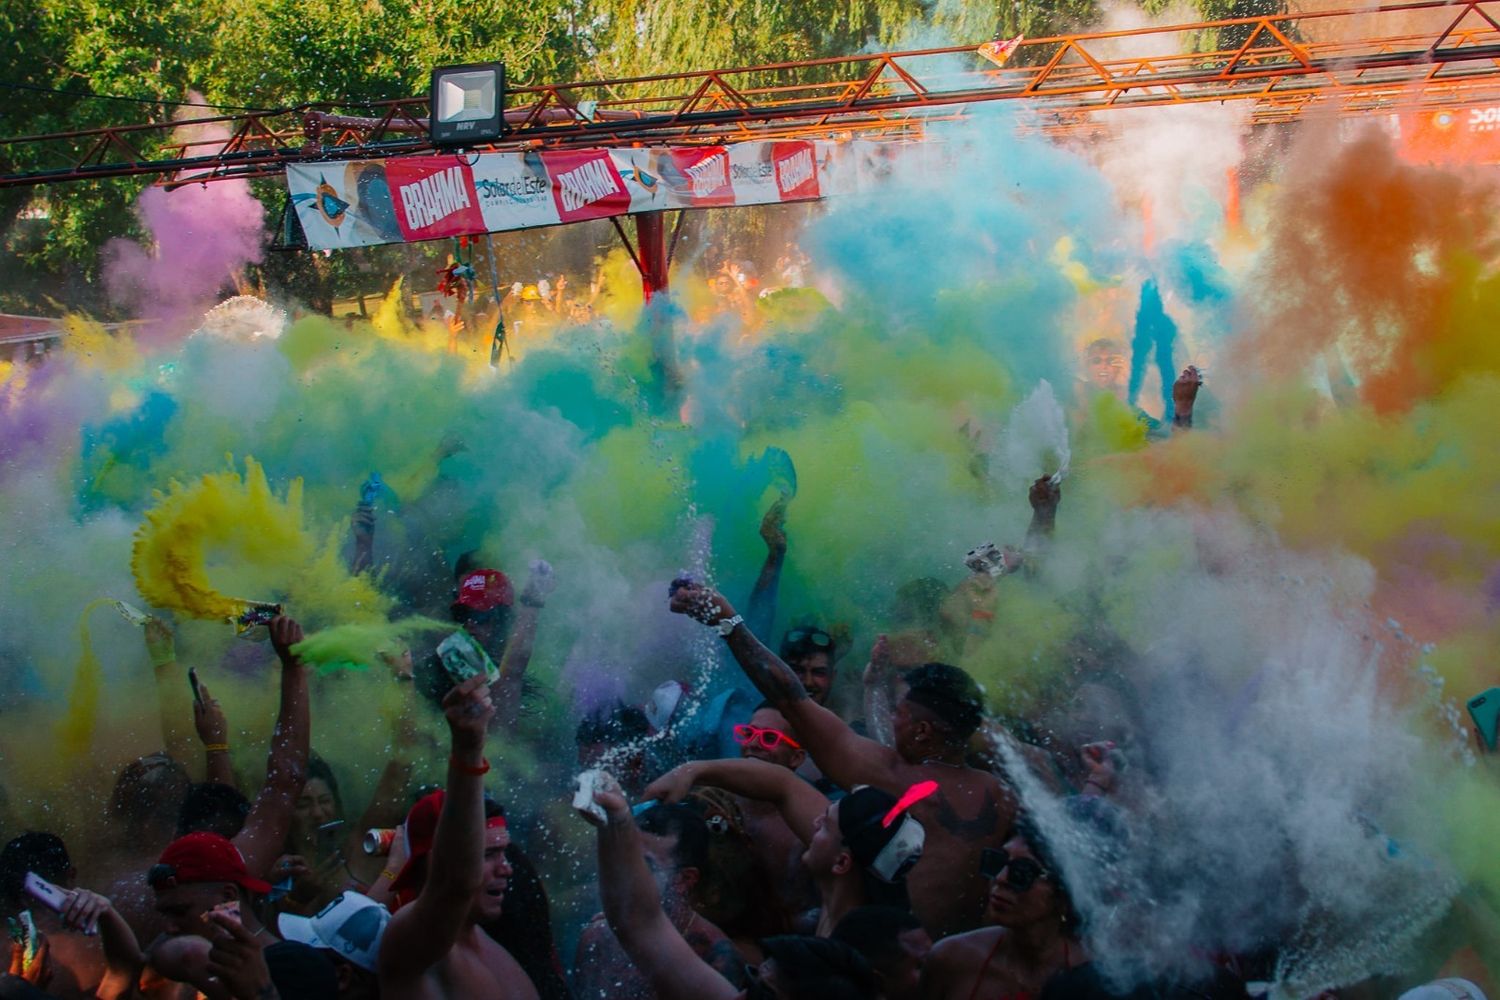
point(160, 876)
point(745, 734)
point(808, 637)
point(1020, 873)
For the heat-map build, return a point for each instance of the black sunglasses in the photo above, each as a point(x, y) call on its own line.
point(1020, 873)
point(159, 875)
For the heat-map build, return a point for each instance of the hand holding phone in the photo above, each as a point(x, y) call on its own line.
point(1484, 709)
point(193, 682)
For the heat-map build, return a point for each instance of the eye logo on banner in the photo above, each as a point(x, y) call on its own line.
point(330, 206)
point(705, 175)
point(586, 185)
point(796, 170)
point(434, 197)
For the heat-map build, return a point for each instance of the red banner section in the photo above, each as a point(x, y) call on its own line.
point(586, 185)
point(796, 167)
point(705, 175)
point(434, 197)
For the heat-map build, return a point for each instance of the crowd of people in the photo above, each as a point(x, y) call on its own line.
point(761, 846)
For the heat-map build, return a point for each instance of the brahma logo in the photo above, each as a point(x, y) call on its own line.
point(434, 197)
point(706, 175)
point(796, 171)
point(709, 174)
point(586, 185)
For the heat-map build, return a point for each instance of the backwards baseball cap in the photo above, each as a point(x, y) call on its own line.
point(420, 829)
point(350, 926)
point(203, 857)
point(485, 590)
point(880, 832)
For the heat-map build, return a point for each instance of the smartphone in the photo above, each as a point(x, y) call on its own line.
point(44, 892)
point(1484, 709)
point(131, 613)
point(193, 680)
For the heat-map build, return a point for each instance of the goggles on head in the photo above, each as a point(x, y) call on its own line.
point(805, 640)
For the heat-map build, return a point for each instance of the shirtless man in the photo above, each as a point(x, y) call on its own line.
point(939, 710)
point(455, 879)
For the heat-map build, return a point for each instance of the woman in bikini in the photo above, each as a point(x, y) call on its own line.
point(1031, 933)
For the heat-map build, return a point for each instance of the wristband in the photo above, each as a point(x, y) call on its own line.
point(216, 747)
point(388, 875)
point(470, 769)
point(728, 625)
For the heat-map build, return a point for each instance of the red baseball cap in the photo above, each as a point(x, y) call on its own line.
point(204, 857)
point(485, 590)
point(420, 830)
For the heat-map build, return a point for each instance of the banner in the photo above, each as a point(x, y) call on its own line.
point(1451, 135)
point(406, 199)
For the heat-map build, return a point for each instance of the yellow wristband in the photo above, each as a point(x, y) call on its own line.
point(216, 747)
point(388, 875)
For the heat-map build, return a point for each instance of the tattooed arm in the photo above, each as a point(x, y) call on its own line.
point(840, 753)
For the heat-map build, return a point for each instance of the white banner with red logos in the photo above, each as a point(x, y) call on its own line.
point(406, 199)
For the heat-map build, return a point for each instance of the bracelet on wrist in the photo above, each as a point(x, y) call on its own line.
point(483, 767)
point(388, 875)
point(216, 747)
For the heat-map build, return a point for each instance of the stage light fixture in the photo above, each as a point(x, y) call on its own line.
point(467, 104)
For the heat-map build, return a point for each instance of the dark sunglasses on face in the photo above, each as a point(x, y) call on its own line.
point(1020, 873)
point(769, 738)
point(160, 876)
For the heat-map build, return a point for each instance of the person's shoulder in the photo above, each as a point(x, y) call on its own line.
point(956, 948)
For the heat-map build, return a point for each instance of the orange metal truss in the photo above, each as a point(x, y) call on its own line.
point(1344, 62)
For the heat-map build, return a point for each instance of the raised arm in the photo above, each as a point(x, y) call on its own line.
point(799, 803)
point(518, 647)
point(88, 912)
point(270, 816)
point(421, 934)
point(761, 613)
point(632, 905)
point(172, 697)
point(841, 753)
point(879, 698)
point(213, 731)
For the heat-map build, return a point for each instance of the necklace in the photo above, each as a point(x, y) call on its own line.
point(944, 763)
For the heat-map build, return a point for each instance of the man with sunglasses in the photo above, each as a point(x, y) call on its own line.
point(809, 651)
point(940, 709)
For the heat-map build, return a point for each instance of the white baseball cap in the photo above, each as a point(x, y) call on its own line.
point(350, 926)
